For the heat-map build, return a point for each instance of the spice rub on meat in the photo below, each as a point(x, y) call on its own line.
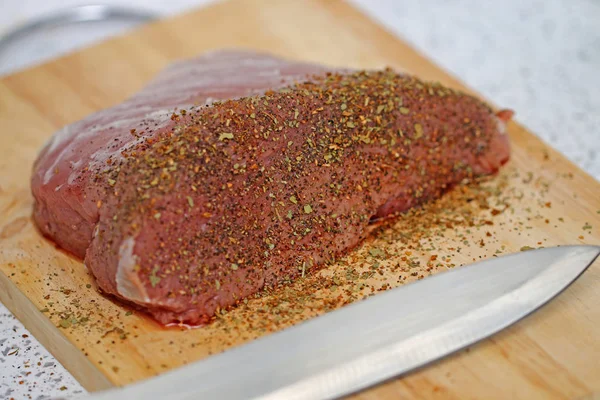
point(187, 211)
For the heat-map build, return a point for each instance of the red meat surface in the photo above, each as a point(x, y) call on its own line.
point(237, 170)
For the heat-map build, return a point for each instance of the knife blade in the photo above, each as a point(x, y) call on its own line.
point(379, 338)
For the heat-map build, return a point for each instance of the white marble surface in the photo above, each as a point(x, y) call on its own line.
point(540, 58)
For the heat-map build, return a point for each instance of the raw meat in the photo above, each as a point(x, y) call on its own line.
point(237, 170)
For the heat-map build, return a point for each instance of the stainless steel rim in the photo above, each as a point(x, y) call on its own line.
point(74, 15)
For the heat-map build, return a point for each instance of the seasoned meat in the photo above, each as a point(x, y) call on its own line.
point(238, 170)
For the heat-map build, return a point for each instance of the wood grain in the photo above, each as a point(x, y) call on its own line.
point(553, 354)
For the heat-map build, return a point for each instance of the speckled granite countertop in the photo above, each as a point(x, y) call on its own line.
point(540, 58)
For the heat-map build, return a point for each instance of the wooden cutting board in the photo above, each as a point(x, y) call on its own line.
point(538, 199)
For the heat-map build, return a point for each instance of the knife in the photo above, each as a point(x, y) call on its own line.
point(379, 338)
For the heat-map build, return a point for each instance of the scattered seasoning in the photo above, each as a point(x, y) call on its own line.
point(65, 323)
point(526, 248)
point(308, 209)
point(225, 136)
point(376, 252)
point(418, 131)
point(587, 226)
point(154, 280)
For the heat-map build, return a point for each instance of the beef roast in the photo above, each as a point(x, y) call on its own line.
point(237, 170)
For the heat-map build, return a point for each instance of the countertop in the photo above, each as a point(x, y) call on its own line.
point(540, 58)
